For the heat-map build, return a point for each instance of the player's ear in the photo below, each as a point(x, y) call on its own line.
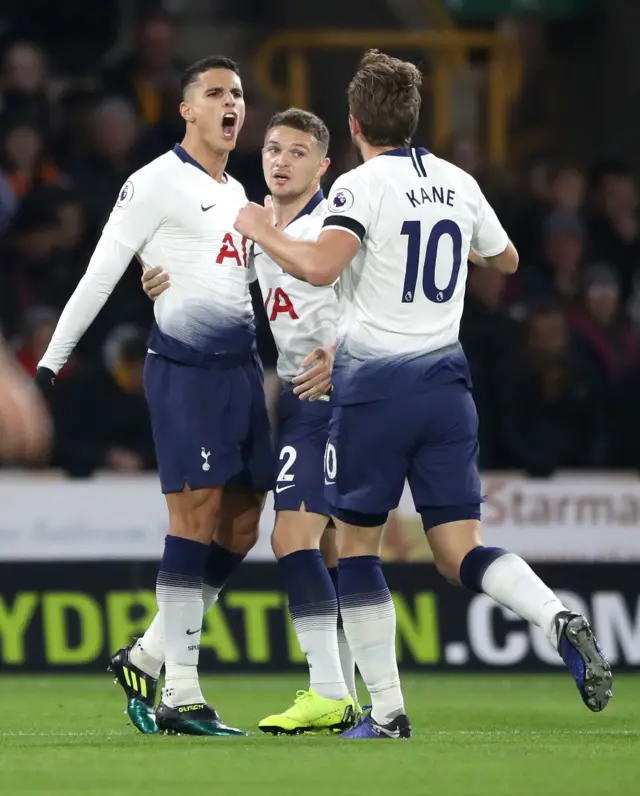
point(186, 111)
point(354, 127)
point(324, 165)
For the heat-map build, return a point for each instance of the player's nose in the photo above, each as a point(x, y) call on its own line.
point(283, 160)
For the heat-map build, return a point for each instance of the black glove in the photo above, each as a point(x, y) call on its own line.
point(46, 380)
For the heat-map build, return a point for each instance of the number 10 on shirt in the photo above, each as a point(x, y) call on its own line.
point(413, 231)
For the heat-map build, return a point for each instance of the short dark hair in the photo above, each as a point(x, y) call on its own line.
point(384, 98)
point(191, 74)
point(304, 121)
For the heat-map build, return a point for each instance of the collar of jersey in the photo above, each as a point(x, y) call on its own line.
point(185, 157)
point(405, 152)
point(309, 207)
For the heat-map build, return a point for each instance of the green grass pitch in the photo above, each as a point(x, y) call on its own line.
point(473, 736)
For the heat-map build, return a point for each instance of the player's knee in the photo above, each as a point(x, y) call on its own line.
point(239, 538)
point(192, 527)
point(283, 543)
point(296, 530)
point(193, 514)
point(449, 569)
point(452, 531)
point(329, 548)
point(245, 539)
point(359, 534)
point(241, 535)
point(239, 524)
point(353, 542)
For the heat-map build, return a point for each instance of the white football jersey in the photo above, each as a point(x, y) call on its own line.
point(416, 216)
point(302, 317)
point(174, 215)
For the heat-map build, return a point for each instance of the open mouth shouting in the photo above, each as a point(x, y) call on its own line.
point(229, 122)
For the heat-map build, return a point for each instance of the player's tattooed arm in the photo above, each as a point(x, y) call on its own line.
point(318, 263)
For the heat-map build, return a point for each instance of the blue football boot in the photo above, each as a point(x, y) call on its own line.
point(400, 727)
point(585, 660)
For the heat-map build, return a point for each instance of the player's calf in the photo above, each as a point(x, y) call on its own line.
point(193, 517)
point(329, 550)
point(329, 704)
point(297, 530)
point(148, 652)
point(183, 709)
point(235, 534)
point(368, 613)
point(239, 523)
point(460, 556)
point(313, 602)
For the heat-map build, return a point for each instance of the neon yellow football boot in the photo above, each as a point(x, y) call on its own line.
point(311, 713)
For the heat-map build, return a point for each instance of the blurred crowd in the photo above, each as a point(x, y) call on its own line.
point(553, 351)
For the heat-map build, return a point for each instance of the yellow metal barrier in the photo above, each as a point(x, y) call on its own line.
point(449, 46)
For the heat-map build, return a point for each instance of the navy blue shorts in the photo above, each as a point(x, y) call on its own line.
point(429, 438)
point(303, 428)
point(210, 425)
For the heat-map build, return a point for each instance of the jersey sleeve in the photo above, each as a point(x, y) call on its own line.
point(489, 236)
point(108, 263)
point(137, 213)
point(349, 205)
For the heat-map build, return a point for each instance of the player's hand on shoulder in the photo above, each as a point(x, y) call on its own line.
point(315, 382)
point(154, 282)
point(254, 219)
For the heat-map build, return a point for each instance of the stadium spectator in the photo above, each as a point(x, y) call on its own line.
point(113, 158)
point(100, 414)
point(567, 186)
point(72, 137)
point(614, 225)
point(25, 161)
point(72, 223)
point(33, 270)
point(604, 333)
point(36, 330)
point(486, 334)
point(24, 89)
point(558, 275)
point(142, 75)
point(548, 188)
point(552, 415)
point(158, 138)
